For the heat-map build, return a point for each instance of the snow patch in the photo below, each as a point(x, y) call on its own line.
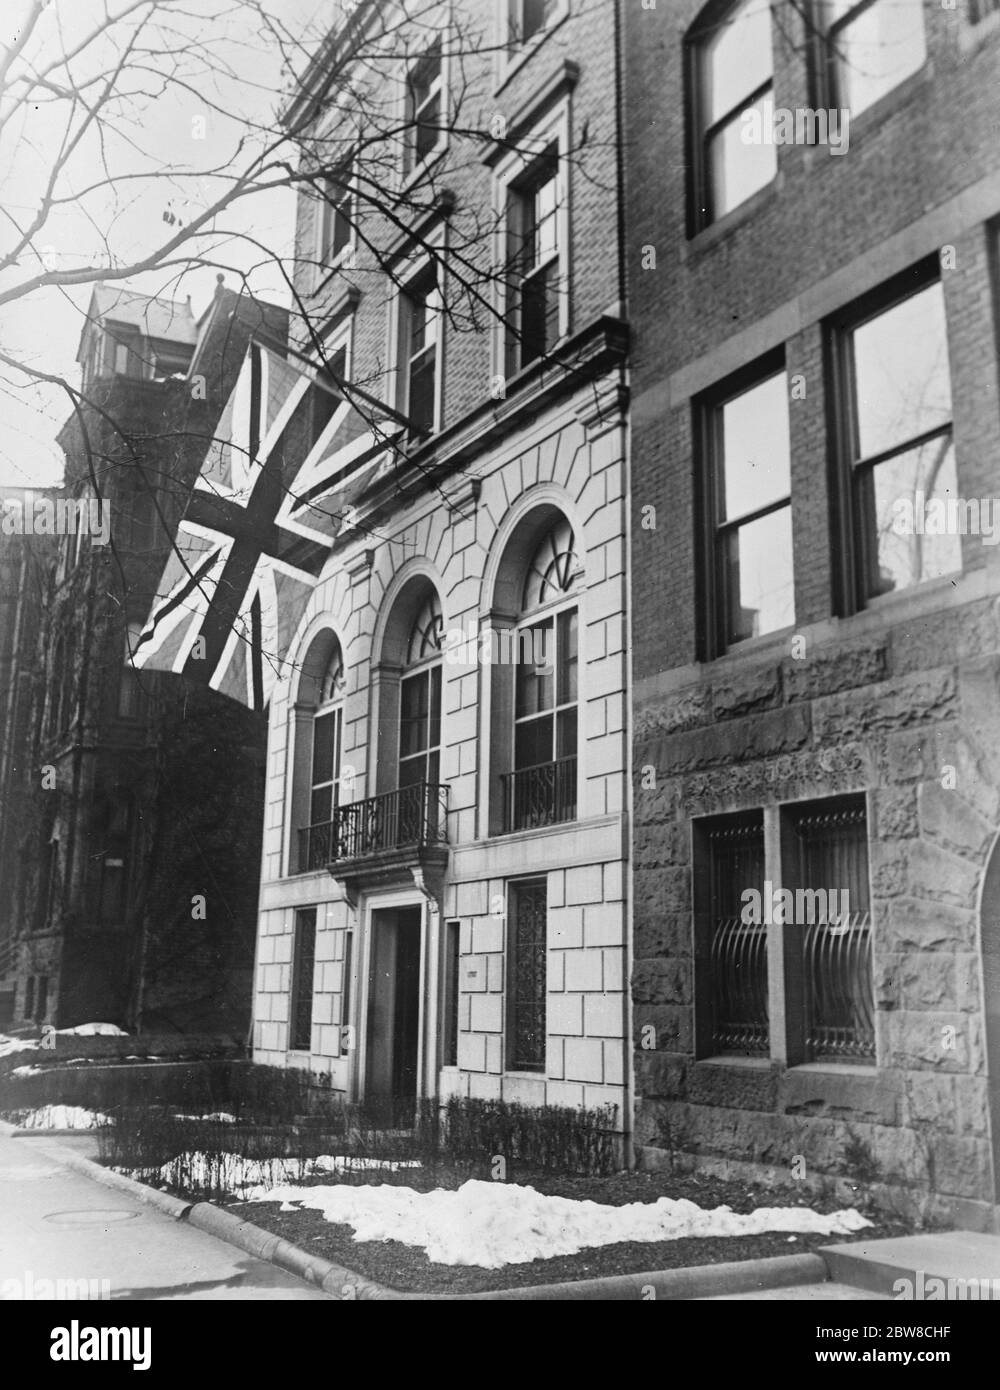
point(496, 1224)
point(63, 1117)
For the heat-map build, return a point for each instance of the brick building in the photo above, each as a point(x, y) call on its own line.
point(443, 895)
point(136, 796)
point(815, 672)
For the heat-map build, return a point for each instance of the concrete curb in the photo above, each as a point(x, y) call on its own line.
point(693, 1282)
point(174, 1207)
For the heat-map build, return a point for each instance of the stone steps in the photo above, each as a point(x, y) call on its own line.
point(953, 1257)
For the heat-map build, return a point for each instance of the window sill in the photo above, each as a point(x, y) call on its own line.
point(749, 1063)
point(511, 66)
point(836, 1068)
point(874, 117)
point(421, 170)
point(767, 642)
point(706, 238)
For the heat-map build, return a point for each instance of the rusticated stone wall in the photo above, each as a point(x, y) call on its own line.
point(909, 714)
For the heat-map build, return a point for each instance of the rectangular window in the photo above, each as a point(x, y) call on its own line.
point(345, 985)
point(420, 322)
point(337, 218)
point(826, 847)
point(542, 788)
point(750, 581)
point(420, 727)
point(896, 447)
point(127, 345)
point(526, 19)
point(730, 79)
point(424, 109)
point(325, 767)
point(526, 975)
point(42, 1002)
point(732, 1009)
point(871, 46)
point(534, 264)
point(449, 1013)
point(304, 960)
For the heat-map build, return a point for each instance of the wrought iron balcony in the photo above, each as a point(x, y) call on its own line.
point(408, 818)
point(541, 795)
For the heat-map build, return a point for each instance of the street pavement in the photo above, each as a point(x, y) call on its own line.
point(57, 1224)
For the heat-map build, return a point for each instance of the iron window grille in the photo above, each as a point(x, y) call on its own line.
point(527, 978)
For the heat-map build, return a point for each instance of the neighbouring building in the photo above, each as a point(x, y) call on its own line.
point(138, 808)
point(443, 904)
point(24, 572)
point(815, 587)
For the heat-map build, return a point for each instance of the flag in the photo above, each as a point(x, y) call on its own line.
point(257, 530)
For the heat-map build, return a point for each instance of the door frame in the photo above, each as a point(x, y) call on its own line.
point(426, 1011)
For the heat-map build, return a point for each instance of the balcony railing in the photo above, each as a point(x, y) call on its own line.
point(541, 795)
point(739, 978)
point(840, 999)
point(410, 817)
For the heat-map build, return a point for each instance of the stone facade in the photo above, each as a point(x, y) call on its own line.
point(457, 524)
point(895, 702)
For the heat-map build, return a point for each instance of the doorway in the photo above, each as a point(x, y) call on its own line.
point(393, 1030)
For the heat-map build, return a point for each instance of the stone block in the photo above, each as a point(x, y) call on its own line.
point(472, 1051)
point(584, 1059)
point(584, 884)
point(583, 970)
point(961, 1167)
point(604, 1015)
point(613, 969)
point(891, 706)
point(487, 935)
point(564, 1014)
point(659, 1074)
point(565, 927)
point(737, 1088)
point(895, 813)
point(487, 1013)
point(936, 874)
point(845, 1096)
point(662, 934)
point(484, 1087)
point(914, 924)
point(685, 709)
point(738, 740)
point(471, 899)
point(829, 671)
point(659, 981)
point(746, 692)
point(603, 924)
point(672, 1026)
point(935, 1041)
point(473, 974)
point(564, 1093)
point(948, 820)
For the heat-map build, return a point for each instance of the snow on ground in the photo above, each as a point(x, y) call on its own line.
point(63, 1117)
point(93, 1030)
point(221, 1117)
point(9, 1045)
point(496, 1224)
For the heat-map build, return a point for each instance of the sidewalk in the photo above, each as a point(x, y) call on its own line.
point(56, 1224)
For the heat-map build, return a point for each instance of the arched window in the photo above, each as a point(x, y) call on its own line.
point(541, 790)
point(318, 775)
point(420, 698)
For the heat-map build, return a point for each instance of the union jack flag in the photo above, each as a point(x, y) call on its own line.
point(257, 530)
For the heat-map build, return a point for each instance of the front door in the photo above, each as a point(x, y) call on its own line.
point(393, 1032)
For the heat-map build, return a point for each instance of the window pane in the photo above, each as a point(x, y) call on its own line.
point(413, 716)
point(534, 683)
point(568, 657)
point(876, 50)
point(545, 220)
point(902, 377)
point(736, 170)
point(434, 722)
point(738, 58)
point(924, 478)
point(759, 582)
point(755, 449)
point(324, 745)
point(566, 734)
point(321, 805)
point(527, 980)
point(533, 742)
